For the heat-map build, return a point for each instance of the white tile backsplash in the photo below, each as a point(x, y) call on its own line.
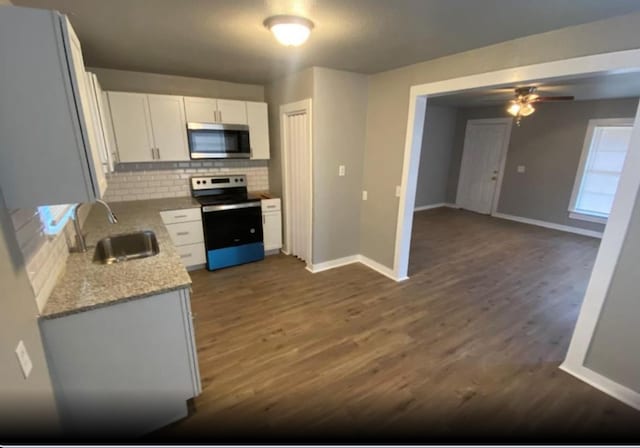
point(44, 255)
point(156, 183)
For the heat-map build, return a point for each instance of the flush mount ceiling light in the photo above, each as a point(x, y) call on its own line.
point(290, 31)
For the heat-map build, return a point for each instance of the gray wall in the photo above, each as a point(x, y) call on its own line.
point(293, 88)
point(389, 102)
point(339, 127)
point(549, 144)
point(128, 81)
point(435, 157)
point(614, 347)
point(27, 406)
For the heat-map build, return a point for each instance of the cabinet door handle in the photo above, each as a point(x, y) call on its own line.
point(182, 233)
point(263, 221)
point(158, 153)
point(220, 116)
point(179, 216)
point(153, 154)
point(185, 256)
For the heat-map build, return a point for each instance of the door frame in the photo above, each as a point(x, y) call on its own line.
point(503, 157)
point(286, 110)
point(619, 218)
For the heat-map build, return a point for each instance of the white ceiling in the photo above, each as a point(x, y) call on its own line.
point(225, 39)
point(601, 86)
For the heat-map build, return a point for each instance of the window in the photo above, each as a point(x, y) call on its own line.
point(54, 217)
point(603, 154)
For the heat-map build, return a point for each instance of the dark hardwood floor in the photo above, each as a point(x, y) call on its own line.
point(468, 349)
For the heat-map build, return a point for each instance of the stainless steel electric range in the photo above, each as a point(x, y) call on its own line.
point(232, 220)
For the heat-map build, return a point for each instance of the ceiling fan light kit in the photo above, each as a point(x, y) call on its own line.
point(290, 31)
point(522, 105)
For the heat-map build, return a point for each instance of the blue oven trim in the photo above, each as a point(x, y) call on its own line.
point(231, 256)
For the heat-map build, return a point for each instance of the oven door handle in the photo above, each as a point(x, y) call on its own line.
point(217, 208)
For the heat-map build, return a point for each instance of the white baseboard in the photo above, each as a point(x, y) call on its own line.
point(604, 384)
point(371, 264)
point(549, 225)
point(429, 207)
point(331, 264)
point(368, 262)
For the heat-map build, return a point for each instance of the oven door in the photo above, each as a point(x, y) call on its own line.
point(218, 141)
point(232, 234)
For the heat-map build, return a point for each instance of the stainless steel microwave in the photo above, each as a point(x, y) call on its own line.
point(218, 141)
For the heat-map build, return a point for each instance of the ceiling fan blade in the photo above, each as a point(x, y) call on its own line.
point(553, 98)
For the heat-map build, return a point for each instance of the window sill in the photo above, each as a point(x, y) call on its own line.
point(586, 217)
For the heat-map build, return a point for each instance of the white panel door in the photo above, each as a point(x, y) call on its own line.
point(168, 126)
point(485, 144)
point(258, 121)
point(232, 112)
point(131, 126)
point(201, 110)
point(86, 108)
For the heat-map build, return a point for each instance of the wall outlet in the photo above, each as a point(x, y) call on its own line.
point(341, 170)
point(364, 195)
point(23, 359)
point(397, 191)
point(521, 169)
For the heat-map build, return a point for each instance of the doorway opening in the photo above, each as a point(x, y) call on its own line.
point(424, 97)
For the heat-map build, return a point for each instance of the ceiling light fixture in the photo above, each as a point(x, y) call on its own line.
point(522, 106)
point(290, 31)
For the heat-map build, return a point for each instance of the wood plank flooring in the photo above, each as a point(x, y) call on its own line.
point(467, 350)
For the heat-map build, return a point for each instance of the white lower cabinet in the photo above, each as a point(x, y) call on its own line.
point(127, 368)
point(271, 224)
point(185, 230)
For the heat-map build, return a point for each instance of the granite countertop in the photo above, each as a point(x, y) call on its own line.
point(86, 285)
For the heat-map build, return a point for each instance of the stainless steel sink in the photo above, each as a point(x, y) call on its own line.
point(127, 246)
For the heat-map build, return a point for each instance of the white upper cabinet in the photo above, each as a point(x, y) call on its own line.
point(132, 126)
point(149, 128)
point(232, 112)
point(258, 120)
point(102, 123)
point(168, 126)
point(201, 110)
point(210, 110)
point(48, 146)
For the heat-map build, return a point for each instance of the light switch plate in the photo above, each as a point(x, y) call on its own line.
point(341, 170)
point(23, 359)
point(364, 195)
point(521, 169)
point(397, 191)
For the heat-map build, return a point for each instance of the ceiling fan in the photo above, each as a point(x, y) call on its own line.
point(522, 105)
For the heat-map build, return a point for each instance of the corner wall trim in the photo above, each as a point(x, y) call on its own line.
point(604, 384)
point(432, 206)
point(549, 225)
point(371, 264)
point(331, 264)
point(368, 262)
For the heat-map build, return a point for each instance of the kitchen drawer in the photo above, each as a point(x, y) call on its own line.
point(270, 205)
point(186, 233)
point(186, 215)
point(192, 254)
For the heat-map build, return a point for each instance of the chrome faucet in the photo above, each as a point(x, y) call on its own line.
point(81, 243)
